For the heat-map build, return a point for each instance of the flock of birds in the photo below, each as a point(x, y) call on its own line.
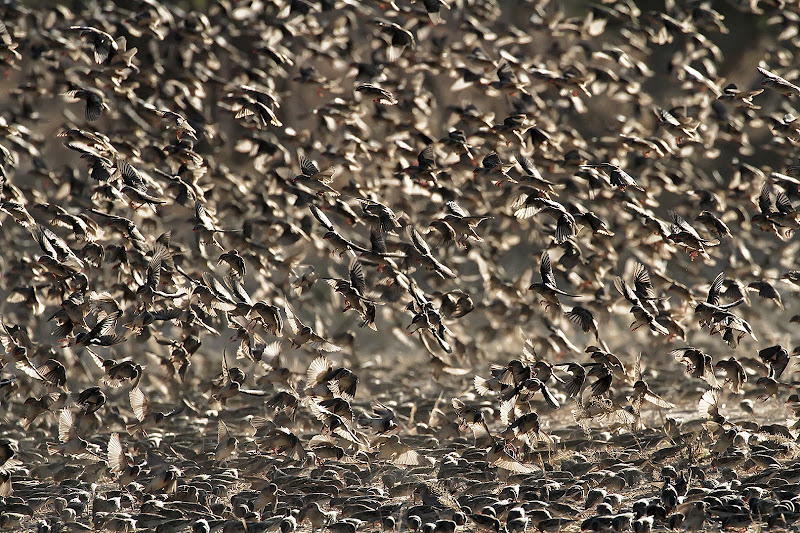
point(385, 265)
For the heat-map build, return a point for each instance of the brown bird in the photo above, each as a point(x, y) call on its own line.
point(120, 463)
point(226, 443)
point(304, 334)
point(735, 375)
point(72, 444)
point(547, 288)
point(282, 440)
point(766, 290)
point(778, 84)
point(324, 381)
point(379, 95)
point(698, 364)
point(642, 393)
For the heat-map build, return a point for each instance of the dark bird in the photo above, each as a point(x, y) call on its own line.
point(547, 288)
point(94, 99)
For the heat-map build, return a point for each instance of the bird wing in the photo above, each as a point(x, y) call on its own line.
point(426, 157)
point(658, 401)
point(715, 288)
point(308, 167)
point(417, 240)
point(682, 225)
point(492, 160)
point(357, 277)
point(65, 425)
point(222, 431)
point(294, 322)
point(546, 270)
point(455, 209)
point(765, 199)
point(643, 286)
point(318, 368)
point(626, 291)
point(115, 455)
point(507, 463)
point(139, 404)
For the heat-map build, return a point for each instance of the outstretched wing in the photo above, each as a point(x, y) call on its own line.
point(308, 167)
point(714, 290)
point(546, 270)
point(139, 404)
point(642, 284)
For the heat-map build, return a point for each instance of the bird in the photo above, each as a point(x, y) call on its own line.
point(226, 443)
point(619, 178)
point(642, 393)
point(177, 122)
point(70, 442)
point(735, 373)
point(547, 288)
point(776, 83)
point(698, 364)
point(382, 421)
point(492, 166)
point(766, 290)
point(94, 100)
point(379, 95)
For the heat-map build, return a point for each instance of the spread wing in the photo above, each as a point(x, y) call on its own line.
point(546, 270)
point(115, 455)
point(139, 404)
